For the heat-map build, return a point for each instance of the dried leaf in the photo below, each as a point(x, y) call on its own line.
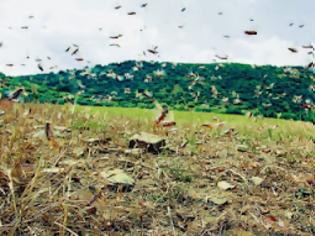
point(257, 180)
point(53, 170)
point(153, 143)
point(118, 176)
point(78, 151)
point(218, 200)
point(223, 185)
point(238, 232)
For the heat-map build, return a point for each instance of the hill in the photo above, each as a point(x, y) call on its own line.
point(282, 92)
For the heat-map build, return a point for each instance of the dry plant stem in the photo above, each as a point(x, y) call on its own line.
point(67, 229)
point(169, 213)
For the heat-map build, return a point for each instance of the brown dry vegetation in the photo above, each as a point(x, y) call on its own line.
point(57, 186)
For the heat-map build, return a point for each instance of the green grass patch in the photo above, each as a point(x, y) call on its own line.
point(263, 128)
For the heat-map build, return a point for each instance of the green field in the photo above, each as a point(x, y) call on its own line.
point(253, 127)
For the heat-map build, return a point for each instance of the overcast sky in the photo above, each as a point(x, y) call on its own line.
point(59, 23)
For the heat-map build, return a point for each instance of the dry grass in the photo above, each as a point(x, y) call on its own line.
point(56, 187)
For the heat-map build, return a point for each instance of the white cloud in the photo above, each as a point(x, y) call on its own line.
point(58, 23)
point(270, 51)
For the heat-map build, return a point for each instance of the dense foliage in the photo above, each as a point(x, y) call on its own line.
point(284, 92)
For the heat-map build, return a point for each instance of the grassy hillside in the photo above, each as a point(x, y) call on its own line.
point(245, 176)
point(222, 88)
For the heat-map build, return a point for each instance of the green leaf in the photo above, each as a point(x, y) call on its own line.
point(242, 148)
